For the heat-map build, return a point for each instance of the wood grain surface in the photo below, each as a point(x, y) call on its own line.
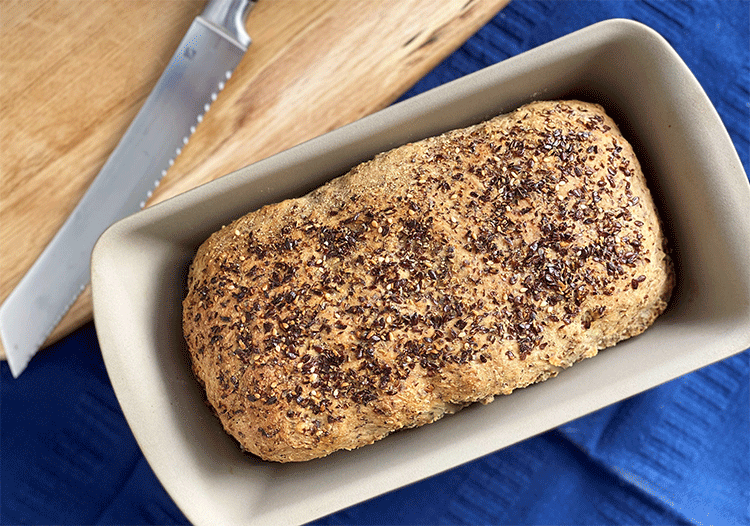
point(75, 73)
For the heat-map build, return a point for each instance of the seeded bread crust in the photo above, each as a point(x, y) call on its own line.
point(438, 274)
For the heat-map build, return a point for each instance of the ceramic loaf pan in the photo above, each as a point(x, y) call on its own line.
point(140, 265)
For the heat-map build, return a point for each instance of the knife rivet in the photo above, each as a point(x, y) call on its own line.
point(163, 173)
point(214, 96)
point(228, 75)
point(156, 183)
point(207, 107)
point(171, 162)
point(200, 118)
point(178, 151)
point(143, 204)
point(192, 129)
point(184, 140)
point(149, 194)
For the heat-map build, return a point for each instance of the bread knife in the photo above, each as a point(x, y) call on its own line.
point(204, 61)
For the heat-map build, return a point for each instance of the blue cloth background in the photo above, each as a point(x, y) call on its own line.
point(677, 454)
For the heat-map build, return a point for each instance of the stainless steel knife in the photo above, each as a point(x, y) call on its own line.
point(197, 72)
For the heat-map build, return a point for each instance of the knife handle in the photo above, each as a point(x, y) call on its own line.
point(230, 16)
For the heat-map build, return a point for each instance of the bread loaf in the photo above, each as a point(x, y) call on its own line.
point(438, 274)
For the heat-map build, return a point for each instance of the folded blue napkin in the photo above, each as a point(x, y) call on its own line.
point(677, 454)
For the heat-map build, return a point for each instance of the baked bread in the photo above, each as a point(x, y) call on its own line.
point(438, 274)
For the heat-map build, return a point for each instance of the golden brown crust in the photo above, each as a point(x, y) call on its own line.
point(438, 274)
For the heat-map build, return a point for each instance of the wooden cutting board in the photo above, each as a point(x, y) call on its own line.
point(75, 73)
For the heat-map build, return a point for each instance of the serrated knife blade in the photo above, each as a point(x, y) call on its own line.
point(196, 73)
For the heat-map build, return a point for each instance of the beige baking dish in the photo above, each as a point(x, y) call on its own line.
point(139, 267)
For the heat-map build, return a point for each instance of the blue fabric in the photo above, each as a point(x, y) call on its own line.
point(677, 454)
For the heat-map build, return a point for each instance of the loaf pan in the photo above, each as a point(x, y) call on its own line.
point(140, 264)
